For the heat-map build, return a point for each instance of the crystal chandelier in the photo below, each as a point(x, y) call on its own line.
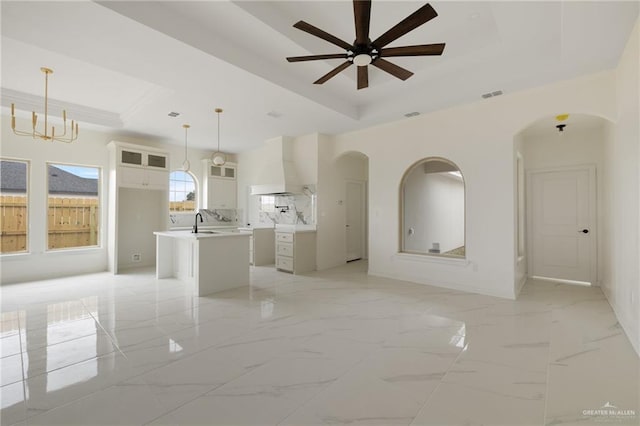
point(47, 136)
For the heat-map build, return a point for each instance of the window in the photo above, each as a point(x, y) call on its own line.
point(268, 203)
point(73, 206)
point(14, 204)
point(182, 192)
point(432, 202)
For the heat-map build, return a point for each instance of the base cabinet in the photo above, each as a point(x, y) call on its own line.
point(296, 251)
point(262, 247)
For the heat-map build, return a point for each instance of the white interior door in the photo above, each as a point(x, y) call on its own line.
point(563, 234)
point(355, 220)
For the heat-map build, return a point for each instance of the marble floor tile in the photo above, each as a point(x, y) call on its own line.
point(453, 404)
point(329, 347)
point(388, 387)
point(64, 385)
point(42, 359)
point(11, 369)
point(123, 404)
point(273, 390)
point(13, 408)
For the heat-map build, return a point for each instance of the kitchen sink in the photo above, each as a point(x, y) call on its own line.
point(221, 231)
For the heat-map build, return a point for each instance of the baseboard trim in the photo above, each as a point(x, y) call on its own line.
point(626, 327)
point(559, 280)
point(447, 285)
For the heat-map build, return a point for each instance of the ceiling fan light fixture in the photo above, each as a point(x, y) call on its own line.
point(362, 59)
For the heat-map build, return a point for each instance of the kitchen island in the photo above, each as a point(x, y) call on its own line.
point(212, 261)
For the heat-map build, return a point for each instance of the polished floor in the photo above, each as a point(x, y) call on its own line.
point(335, 347)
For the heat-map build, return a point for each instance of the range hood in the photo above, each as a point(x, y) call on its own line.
point(278, 175)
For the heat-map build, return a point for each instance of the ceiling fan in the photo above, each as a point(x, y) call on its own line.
point(363, 51)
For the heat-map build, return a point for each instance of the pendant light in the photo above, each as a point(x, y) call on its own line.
point(218, 158)
point(185, 164)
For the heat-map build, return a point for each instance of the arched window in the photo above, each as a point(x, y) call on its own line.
point(183, 192)
point(432, 206)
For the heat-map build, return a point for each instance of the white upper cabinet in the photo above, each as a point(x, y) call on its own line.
point(228, 171)
point(141, 167)
point(220, 188)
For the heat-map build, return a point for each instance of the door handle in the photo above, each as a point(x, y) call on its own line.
point(584, 231)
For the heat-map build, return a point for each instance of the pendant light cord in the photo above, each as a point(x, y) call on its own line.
point(185, 143)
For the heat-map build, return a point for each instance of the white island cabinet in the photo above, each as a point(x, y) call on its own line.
point(211, 260)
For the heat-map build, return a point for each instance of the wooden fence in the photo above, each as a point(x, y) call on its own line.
point(182, 206)
point(71, 222)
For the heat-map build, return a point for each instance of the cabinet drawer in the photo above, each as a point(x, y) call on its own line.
point(285, 249)
point(284, 263)
point(285, 237)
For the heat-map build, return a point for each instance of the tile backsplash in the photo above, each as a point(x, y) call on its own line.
point(217, 217)
point(290, 209)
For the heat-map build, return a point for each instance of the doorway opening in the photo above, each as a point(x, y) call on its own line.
point(353, 168)
point(558, 193)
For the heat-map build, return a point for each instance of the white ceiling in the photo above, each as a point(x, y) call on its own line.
point(126, 65)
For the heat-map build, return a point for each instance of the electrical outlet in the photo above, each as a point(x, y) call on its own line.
point(136, 257)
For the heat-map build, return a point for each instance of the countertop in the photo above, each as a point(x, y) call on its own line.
point(204, 227)
point(295, 228)
point(205, 234)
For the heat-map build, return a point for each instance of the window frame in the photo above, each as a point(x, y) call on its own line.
point(27, 250)
point(100, 229)
point(401, 211)
point(196, 206)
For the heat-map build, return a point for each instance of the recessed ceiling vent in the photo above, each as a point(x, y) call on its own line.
point(173, 114)
point(412, 114)
point(492, 94)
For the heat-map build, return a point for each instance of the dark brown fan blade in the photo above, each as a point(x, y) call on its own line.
point(333, 72)
point(363, 77)
point(419, 50)
point(317, 57)
point(308, 28)
point(392, 69)
point(362, 16)
point(411, 22)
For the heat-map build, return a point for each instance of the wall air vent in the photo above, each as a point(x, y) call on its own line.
point(492, 94)
point(173, 114)
point(411, 114)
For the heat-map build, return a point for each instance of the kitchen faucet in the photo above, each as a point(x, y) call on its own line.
point(195, 227)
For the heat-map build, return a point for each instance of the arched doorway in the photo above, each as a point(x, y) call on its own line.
point(559, 177)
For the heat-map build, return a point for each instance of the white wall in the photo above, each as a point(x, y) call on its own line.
point(434, 209)
point(90, 149)
point(483, 148)
point(137, 222)
point(332, 176)
point(621, 280)
point(520, 216)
